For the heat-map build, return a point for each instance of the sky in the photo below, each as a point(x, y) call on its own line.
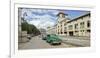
point(43, 18)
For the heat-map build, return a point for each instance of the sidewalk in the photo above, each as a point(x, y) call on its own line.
point(75, 37)
point(80, 43)
point(76, 41)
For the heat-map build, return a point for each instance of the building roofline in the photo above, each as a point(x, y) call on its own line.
point(78, 17)
point(61, 13)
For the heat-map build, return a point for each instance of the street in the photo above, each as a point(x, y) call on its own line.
point(67, 42)
point(37, 43)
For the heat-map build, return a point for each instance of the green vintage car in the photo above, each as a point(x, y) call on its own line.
point(53, 39)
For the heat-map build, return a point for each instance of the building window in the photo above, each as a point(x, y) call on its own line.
point(88, 23)
point(76, 26)
point(65, 32)
point(61, 25)
point(58, 26)
point(88, 31)
point(70, 27)
point(82, 25)
point(82, 31)
point(65, 29)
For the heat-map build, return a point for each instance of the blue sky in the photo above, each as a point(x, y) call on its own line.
point(47, 17)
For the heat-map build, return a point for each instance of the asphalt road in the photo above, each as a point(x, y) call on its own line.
point(37, 43)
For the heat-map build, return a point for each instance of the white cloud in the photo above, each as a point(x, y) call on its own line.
point(34, 22)
point(54, 12)
point(42, 21)
point(45, 11)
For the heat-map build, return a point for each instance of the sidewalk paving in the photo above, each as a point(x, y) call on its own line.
point(80, 43)
point(76, 41)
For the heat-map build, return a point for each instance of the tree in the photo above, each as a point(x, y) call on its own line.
point(31, 29)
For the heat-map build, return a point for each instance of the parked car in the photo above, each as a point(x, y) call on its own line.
point(53, 39)
point(44, 37)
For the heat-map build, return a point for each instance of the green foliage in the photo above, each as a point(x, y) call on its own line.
point(31, 29)
point(24, 26)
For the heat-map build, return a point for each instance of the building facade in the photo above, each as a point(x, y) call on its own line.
point(62, 19)
point(52, 30)
point(79, 26)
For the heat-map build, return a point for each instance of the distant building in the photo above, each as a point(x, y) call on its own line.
point(79, 26)
point(51, 30)
point(42, 31)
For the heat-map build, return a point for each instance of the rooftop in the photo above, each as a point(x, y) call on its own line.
point(79, 17)
point(61, 12)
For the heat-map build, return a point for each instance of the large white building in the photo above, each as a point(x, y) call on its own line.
point(79, 26)
point(62, 19)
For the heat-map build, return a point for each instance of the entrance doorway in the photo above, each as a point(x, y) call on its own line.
point(71, 33)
